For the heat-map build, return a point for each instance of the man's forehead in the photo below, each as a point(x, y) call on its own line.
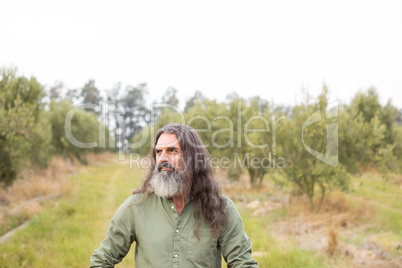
point(168, 140)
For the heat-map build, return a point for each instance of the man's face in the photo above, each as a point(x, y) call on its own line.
point(168, 149)
point(166, 180)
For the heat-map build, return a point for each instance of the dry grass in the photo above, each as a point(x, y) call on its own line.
point(40, 182)
point(321, 232)
point(26, 211)
point(335, 232)
point(97, 159)
point(335, 215)
point(52, 180)
point(332, 240)
point(396, 179)
point(20, 202)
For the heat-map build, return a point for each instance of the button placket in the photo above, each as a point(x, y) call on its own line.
point(177, 241)
point(176, 250)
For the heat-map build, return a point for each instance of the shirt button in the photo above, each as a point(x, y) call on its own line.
point(172, 207)
point(175, 255)
point(177, 231)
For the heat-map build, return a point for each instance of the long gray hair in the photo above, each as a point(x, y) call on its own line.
point(197, 170)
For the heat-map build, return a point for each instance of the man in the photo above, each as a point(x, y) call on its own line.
point(177, 217)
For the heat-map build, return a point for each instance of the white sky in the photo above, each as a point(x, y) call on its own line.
point(271, 49)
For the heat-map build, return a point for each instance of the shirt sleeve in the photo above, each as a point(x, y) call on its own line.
point(234, 242)
point(119, 237)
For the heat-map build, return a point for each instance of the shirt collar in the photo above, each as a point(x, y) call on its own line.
point(187, 199)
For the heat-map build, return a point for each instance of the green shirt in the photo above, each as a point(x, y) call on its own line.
point(165, 239)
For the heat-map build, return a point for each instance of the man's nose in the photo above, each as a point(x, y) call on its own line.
point(163, 157)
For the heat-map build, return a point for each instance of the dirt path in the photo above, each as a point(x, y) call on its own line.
point(69, 228)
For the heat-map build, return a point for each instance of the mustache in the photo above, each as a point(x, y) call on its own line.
point(165, 165)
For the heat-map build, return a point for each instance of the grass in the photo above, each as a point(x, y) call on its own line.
point(66, 231)
point(385, 198)
point(369, 215)
point(270, 251)
point(33, 183)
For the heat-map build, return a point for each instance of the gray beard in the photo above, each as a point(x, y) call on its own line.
point(166, 183)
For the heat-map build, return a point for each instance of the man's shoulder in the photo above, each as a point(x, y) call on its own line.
point(140, 199)
point(228, 201)
point(232, 214)
point(230, 206)
point(134, 200)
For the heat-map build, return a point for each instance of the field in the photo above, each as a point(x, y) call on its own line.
point(361, 228)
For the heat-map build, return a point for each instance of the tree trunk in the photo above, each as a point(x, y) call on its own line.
point(322, 197)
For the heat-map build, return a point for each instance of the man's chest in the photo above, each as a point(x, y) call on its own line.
point(163, 235)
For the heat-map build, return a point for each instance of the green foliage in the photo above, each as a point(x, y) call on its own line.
point(212, 123)
point(357, 139)
point(367, 104)
point(170, 97)
point(197, 97)
point(169, 115)
point(243, 132)
point(398, 147)
point(84, 128)
point(388, 116)
point(20, 105)
point(254, 130)
point(141, 143)
point(57, 114)
point(55, 91)
point(132, 113)
point(303, 169)
point(368, 134)
point(253, 138)
point(42, 150)
point(90, 94)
